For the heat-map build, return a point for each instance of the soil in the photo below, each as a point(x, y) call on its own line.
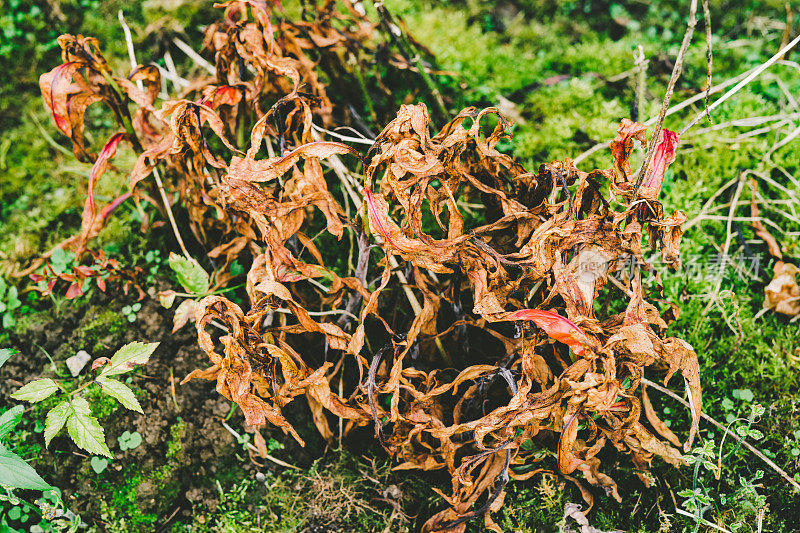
point(185, 447)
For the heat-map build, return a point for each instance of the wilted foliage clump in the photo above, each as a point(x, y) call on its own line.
point(465, 308)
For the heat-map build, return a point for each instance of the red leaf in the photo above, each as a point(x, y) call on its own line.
point(74, 291)
point(36, 278)
point(90, 207)
point(224, 94)
point(107, 210)
point(84, 271)
point(55, 86)
point(663, 157)
point(555, 325)
point(101, 283)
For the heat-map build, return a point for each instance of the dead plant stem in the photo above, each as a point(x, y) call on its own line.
point(676, 73)
point(254, 449)
point(172, 222)
point(750, 77)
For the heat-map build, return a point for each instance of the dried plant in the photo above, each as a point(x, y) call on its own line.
point(462, 337)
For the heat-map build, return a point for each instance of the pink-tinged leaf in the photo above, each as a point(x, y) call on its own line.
point(107, 210)
point(50, 285)
point(556, 326)
point(222, 95)
point(90, 207)
point(101, 283)
point(74, 291)
point(662, 158)
point(183, 314)
point(55, 86)
point(287, 275)
point(84, 271)
point(374, 217)
point(36, 278)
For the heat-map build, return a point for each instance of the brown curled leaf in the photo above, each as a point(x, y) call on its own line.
point(656, 422)
point(782, 295)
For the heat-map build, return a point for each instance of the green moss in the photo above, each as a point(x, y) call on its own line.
point(331, 495)
point(174, 455)
point(107, 321)
point(103, 405)
point(121, 512)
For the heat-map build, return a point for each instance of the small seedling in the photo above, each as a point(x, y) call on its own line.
point(130, 311)
point(745, 395)
point(195, 281)
point(154, 261)
point(74, 410)
point(274, 445)
point(795, 450)
point(710, 457)
point(244, 440)
point(129, 440)
point(99, 464)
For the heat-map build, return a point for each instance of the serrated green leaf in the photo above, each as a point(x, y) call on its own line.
point(5, 355)
point(10, 419)
point(36, 391)
point(17, 473)
point(85, 430)
point(120, 392)
point(190, 274)
point(755, 434)
point(55, 420)
point(128, 357)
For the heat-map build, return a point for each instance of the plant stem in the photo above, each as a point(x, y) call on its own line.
point(676, 73)
point(169, 212)
point(641, 65)
point(73, 393)
point(128, 125)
